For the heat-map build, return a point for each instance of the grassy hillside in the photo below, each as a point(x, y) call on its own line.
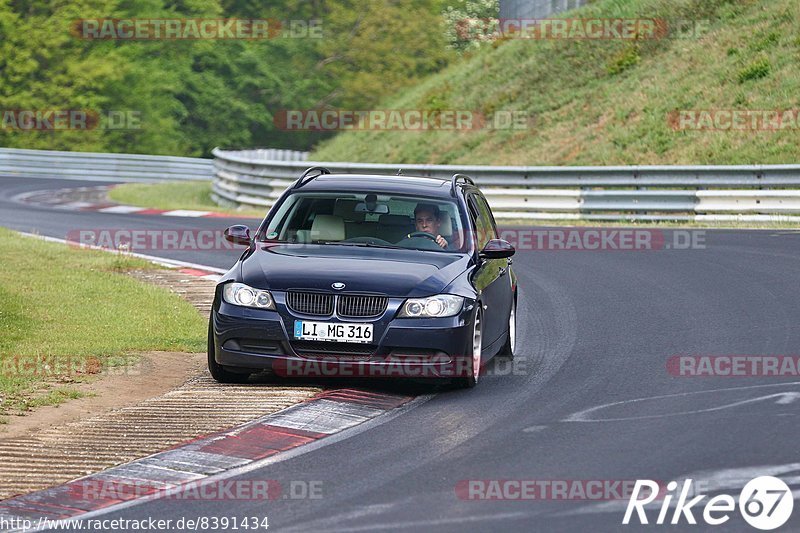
point(607, 102)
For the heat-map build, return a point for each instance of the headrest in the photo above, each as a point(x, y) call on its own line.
point(346, 209)
point(446, 227)
point(327, 228)
point(395, 220)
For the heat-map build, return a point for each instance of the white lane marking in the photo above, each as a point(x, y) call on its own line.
point(787, 397)
point(171, 263)
point(534, 429)
point(121, 209)
point(784, 398)
point(185, 213)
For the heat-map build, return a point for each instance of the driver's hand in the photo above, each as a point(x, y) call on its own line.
point(441, 241)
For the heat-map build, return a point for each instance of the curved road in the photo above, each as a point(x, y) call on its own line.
point(595, 328)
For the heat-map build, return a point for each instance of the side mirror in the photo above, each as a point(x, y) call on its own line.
point(238, 234)
point(497, 249)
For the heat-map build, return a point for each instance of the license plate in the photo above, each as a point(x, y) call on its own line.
point(333, 332)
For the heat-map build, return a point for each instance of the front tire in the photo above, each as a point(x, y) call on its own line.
point(474, 361)
point(218, 371)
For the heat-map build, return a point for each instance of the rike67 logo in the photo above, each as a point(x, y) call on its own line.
point(765, 503)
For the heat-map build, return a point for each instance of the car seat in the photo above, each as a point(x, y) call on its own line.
point(327, 228)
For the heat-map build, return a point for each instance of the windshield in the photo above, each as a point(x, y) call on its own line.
point(369, 220)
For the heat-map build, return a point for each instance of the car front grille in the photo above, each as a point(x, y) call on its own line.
point(347, 305)
point(310, 303)
point(361, 306)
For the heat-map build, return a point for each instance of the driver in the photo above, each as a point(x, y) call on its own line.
point(427, 218)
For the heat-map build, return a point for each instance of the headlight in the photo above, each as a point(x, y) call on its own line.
point(241, 294)
point(432, 307)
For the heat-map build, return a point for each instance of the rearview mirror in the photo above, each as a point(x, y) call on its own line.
point(238, 234)
point(378, 209)
point(497, 249)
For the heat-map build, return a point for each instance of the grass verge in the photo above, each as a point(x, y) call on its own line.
point(194, 195)
point(67, 313)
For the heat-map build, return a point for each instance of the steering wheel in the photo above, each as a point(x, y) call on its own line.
point(369, 240)
point(425, 234)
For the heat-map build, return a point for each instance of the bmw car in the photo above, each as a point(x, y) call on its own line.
point(367, 275)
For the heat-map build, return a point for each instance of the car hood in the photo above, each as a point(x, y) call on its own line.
point(399, 273)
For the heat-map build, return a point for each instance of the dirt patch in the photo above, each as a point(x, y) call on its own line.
point(128, 387)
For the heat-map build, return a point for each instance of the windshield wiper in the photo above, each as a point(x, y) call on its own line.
point(361, 244)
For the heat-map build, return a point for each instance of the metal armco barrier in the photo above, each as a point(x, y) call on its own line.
point(256, 178)
point(703, 193)
point(102, 167)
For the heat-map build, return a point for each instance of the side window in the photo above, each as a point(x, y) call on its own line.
point(287, 211)
point(486, 214)
point(483, 224)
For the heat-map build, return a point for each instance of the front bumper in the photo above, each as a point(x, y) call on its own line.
point(256, 339)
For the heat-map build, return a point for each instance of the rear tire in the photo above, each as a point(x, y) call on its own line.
point(507, 351)
point(218, 371)
point(474, 361)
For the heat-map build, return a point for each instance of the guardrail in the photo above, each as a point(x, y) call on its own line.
point(93, 166)
point(704, 193)
point(256, 178)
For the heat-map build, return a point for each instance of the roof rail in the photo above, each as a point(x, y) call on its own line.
point(456, 179)
point(306, 177)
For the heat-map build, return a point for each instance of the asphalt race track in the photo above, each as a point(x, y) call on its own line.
point(595, 328)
